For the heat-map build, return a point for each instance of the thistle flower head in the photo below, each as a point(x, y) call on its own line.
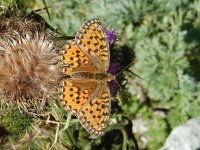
point(114, 84)
point(112, 36)
point(28, 63)
point(27, 66)
point(114, 68)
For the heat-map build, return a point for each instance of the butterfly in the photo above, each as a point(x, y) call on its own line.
point(85, 90)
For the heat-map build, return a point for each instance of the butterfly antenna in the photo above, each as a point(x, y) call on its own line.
point(129, 70)
point(134, 74)
point(125, 67)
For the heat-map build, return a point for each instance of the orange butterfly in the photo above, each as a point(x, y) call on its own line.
point(86, 92)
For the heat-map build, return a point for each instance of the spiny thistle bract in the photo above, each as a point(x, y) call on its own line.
point(28, 62)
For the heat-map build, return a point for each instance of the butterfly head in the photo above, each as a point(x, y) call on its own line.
point(111, 77)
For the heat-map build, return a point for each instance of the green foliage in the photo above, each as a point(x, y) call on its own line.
point(186, 103)
point(16, 121)
point(157, 130)
point(159, 59)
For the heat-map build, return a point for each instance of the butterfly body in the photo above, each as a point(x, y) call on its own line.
point(85, 91)
point(93, 76)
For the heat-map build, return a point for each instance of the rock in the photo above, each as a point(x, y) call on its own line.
point(184, 137)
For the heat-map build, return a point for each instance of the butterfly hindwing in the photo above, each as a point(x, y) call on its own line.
point(92, 40)
point(94, 114)
point(76, 93)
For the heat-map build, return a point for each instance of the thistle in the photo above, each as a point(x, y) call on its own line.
point(28, 62)
point(112, 36)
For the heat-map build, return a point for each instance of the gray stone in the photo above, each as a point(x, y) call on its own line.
point(184, 137)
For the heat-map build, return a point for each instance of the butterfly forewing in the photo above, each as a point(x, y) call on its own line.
point(76, 60)
point(94, 114)
point(92, 40)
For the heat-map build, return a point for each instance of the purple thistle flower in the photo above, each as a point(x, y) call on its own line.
point(112, 36)
point(114, 68)
point(113, 85)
